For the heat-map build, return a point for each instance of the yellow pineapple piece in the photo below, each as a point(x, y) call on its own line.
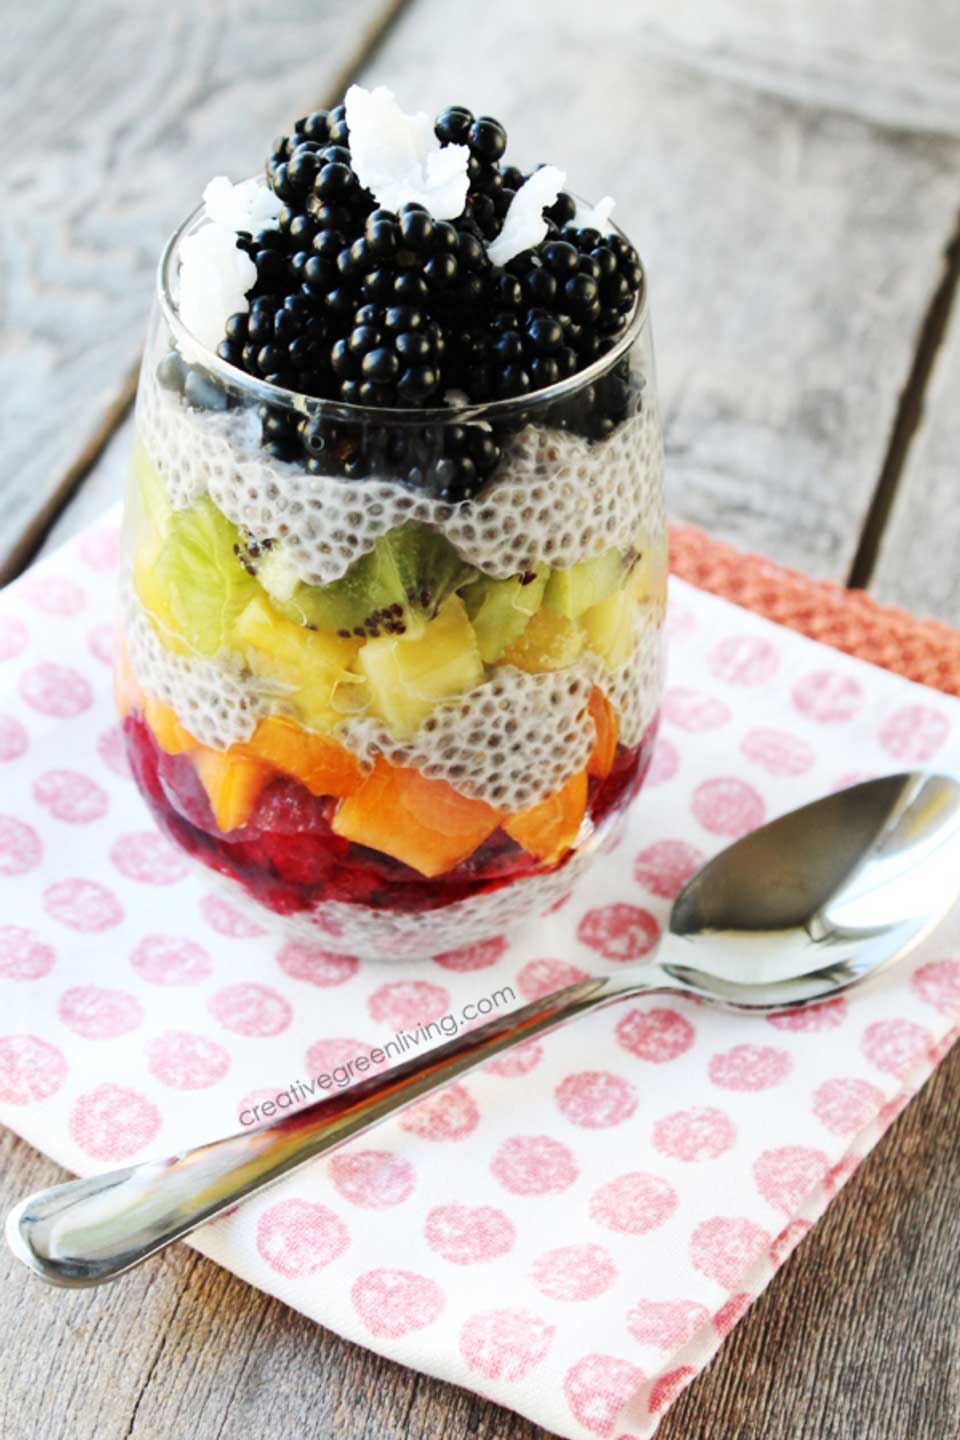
point(317, 670)
point(409, 674)
point(550, 641)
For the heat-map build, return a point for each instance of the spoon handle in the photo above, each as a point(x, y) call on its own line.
point(90, 1231)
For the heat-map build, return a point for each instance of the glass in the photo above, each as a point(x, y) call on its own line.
point(403, 720)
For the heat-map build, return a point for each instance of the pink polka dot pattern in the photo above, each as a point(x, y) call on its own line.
point(723, 1248)
point(596, 1099)
point(167, 960)
point(99, 1014)
point(665, 763)
point(148, 859)
point(112, 1123)
point(21, 848)
point(185, 1061)
point(564, 1228)
point(534, 1165)
point(786, 1176)
point(505, 1344)
point(696, 1134)
point(373, 1179)
point(227, 920)
point(394, 1302)
point(750, 1067)
point(31, 1069)
point(633, 1204)
point(405, 1004)
point(914, 733)
point(744, 660)
point(778, 752)
point(57, 691)
point(666, 1388)
point(895, 1046)
point(14, 740)
point(23, 955)
point(667, 1324)
point(83, 905)
point(478, 956)
point(693, 711)
point(828, 697)
point(297, 1238)
point(619, 932)
point(315, 965)
point(251, 1010)
point(938, 984)
point(845, 1105)
point(828, 1016)
point(664, 868)
point(71, 797)
point(597, 1388)
point(468, 1235)
point(543, 977)
point(14, 637)
point(657, 1035)
point(574, 1272)
point(728, 807)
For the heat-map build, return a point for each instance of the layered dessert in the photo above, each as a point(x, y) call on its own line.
point(396, 548)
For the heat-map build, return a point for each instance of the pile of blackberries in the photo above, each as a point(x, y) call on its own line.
point(360, 305)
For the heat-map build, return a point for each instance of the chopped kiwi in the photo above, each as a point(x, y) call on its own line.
point(572, 591)
point(409, 572)
point(190, 580)
point(500, 609)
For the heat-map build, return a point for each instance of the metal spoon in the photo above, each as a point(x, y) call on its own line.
point(798, 911)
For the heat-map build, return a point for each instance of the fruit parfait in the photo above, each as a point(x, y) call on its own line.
point(396, 550)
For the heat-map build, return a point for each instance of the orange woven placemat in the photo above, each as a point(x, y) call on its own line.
point(923, 650)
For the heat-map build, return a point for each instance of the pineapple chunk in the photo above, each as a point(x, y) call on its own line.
point(319, 671)
point(580, 586)
point(549, 642)
point(608, 627)
point(409, 674)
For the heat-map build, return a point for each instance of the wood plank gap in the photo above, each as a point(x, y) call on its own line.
point(908, 415)
point(32, 539)
point(369, 41)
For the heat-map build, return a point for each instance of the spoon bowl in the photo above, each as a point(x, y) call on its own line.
point(796, 912)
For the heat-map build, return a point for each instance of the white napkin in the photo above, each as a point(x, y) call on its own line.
point(572, 1231)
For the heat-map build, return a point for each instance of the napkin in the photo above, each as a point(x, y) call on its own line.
point(573, 1230)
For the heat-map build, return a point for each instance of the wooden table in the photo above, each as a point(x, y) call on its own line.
point(792, 176)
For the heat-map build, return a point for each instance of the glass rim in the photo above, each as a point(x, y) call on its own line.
point(303, 403)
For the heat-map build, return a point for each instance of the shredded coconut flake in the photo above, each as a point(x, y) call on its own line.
point(251, 205)
point(595, 217)
point(398, 158)
point(524, 225)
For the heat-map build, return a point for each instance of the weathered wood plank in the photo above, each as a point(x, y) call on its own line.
point(113, 116)
point(917, 565)
point(821, 1356)
point(792, 250)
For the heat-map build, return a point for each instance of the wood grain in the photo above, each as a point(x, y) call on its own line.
point(113, 115)
point(857, 1337)
point(918, 565)
point(791, 249)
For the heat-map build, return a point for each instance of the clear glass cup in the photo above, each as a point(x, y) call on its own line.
point(403, 720)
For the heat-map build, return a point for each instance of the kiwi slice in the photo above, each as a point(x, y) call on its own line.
point(500, 609)
point(578, 588)
point(194, 586)
point(409, 573)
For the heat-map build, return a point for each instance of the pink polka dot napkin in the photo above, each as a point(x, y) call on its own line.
point(571, 1232)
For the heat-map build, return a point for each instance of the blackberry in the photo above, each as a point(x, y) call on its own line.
point(452, 126)
point(487, 138)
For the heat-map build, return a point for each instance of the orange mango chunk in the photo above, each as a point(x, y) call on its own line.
point(608, 729)
point(423, 823)
point(169, 733)
point(546, 831)
point(321, 764)
point(233, 784)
